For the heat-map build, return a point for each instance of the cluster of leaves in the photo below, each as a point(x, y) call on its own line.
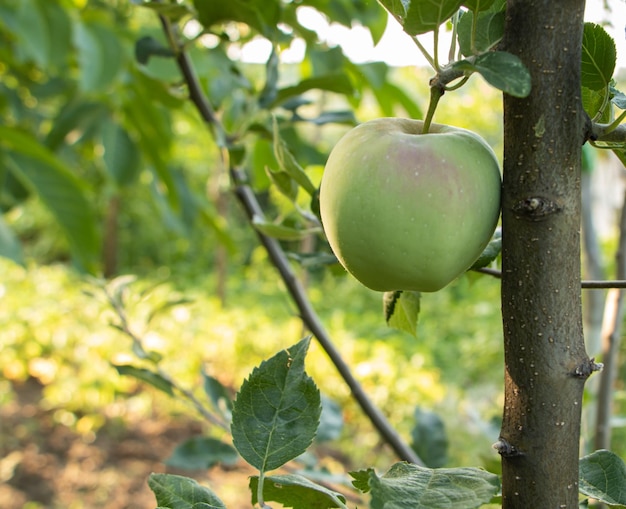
point(600, 96)
point(478, 27)
point(61, 65)
point(84, 122)
point(273, 421)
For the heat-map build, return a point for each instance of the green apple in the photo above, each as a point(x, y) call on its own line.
point(404, 210)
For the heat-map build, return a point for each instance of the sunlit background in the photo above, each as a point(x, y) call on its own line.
point(397, 49)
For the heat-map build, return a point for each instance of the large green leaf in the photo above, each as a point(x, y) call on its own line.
point(152, 125)
point(411, 486)
point(489, 31)
point(10, 246)
point(59, 189)
point(178, 492)
point(603, 477)
point(121, 155)
point(44, 31)
point(262, 15)
point(277, 410)
point(501, 70)
point(77, 117)
point(347, 12)
point(100, 55)
point(338, 83)
point(598, 57)
point(478, 5)
point(173, 11)
point(421, 16)
point(429, 438)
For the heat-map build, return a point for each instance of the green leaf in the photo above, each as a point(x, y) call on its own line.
point(178, 492)
point(174, 12)
point(333, 117)
point(421, 16)
point(618, 98)
point(145, 375)
point(100, 56)
point(277, 410)
point(10, 246)
point(501, 70)
point(603, 477)
point(262, 15)
point(283, 182)
point(362, 479)
point(201, 453)
point(429, 438)
point(60, 191)
point(297, 492)
point(288, 162)
point(78, 117)
point(491, 252)
point(331, 421)
point(598, 57)
point(44, 30)
point(338, 83)
point(282, 232)
point(121, 155)
point(147, 47)
point(152, 124)
point(593, 102)
point(478, 5)
point(401, 309)
point(489, 31)
point(218, 395)
point(33, 32)
point(270, 89)
point(406, 485)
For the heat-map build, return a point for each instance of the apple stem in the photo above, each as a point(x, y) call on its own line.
point(436, 91)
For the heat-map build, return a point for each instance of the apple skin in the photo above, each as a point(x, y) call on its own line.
point(409, 211)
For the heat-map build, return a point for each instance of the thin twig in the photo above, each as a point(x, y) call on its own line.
point(586, 284)
point(125, 328)
point(249, 201)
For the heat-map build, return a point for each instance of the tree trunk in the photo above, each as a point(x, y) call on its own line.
point(545, 360)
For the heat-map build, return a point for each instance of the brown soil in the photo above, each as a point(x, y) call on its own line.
point(47, 465)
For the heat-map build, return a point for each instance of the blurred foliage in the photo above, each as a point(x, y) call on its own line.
point(105, 104)
point(56, 334)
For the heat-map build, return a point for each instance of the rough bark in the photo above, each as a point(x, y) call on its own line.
point(545, 360)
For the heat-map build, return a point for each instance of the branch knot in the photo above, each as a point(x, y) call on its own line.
point(536, 208)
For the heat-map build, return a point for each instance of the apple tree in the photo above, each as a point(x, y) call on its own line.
point(555, 73)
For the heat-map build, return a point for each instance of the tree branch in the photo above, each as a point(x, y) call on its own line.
point(248, 200)
point(608, 133)
point(585, 284)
